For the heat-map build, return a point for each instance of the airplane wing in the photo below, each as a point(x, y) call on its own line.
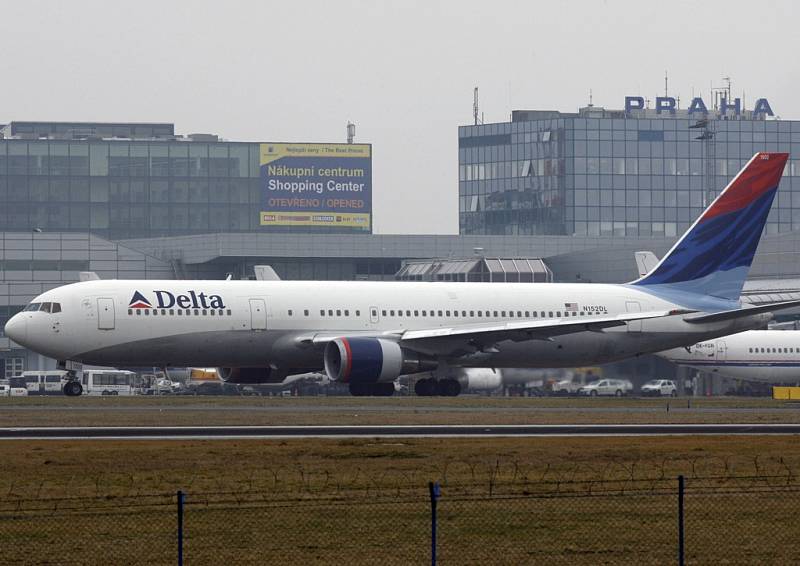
point(450, 339)
point(740, 313)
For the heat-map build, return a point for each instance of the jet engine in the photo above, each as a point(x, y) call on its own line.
point(481, 379)
point(246, 375)
point(371, 360)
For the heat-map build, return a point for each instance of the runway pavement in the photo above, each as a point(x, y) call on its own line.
point(407, 431)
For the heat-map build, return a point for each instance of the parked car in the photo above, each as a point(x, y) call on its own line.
point(11, 391)
point(564, 387)
point(609, 387)
point(660, 387)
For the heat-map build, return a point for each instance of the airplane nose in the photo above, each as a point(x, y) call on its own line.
point(17, 329)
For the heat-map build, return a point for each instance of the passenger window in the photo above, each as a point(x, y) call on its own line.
point(346, 312)
point(511, 314)
point(155, 312)
point(464, 313)
point(330, 312)
point(438, 313)
point(399, 313)
point(527, 314)
point(383, 313)
point(480, 313)
point(290, 312)
point(455, 313)
point(321, 312)
point(212, 312)
point(338, 312)
point(447, 313)
point(196, 312)
point(391, 313)
point(558, 314)
point(229, 312)
point(424, 313)
point(534, 314)
point(146, 312)
point(305, 312)
point(542, 314)
point(519, 314)
point(408, 313)
point(130, 311)
point(503, 314)
point(358, 313)
point(204, 312)
point(495, 314)
point(416, 313)
point(550, 314)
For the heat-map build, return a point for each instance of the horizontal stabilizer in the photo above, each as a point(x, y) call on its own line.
point(740, 313)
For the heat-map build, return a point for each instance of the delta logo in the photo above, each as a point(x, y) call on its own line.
point(168, 299)
point(138, 301)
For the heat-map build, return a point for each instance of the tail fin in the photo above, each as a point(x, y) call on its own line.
point(714, 256)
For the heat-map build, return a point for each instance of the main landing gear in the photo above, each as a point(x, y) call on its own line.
point(372, 389)
point(433, 387)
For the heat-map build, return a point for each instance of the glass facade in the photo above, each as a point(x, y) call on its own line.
point(121, 189)
point(611, 176)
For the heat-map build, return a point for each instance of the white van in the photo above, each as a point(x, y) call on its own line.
point(108, 382)
point(44, 382)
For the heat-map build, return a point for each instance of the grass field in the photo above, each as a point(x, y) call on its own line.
point(165, 411)
point(608, 500)
point(505, 501)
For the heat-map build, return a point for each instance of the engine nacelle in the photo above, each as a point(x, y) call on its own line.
point(481, 379)
point(246, 375)
point(371, 360)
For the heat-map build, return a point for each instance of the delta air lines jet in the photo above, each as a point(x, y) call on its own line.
point(367, 334)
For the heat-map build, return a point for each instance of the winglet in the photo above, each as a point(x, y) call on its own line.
point(714, 256)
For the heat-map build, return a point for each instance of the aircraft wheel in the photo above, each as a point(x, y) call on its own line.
point(357, 389)
point(450, 387)
point(424, 387)
point(72, 389)
point(383, 389)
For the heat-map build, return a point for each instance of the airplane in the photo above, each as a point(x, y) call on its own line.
point(367, 334)
point(765, 356)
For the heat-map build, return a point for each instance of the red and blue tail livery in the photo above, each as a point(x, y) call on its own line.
point(714, 256)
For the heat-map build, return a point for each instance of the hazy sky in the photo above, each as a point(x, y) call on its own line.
point(402, 71)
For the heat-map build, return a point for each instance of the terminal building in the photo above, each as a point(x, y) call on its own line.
point(547, 196)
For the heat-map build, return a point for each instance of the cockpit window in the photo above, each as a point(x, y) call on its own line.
point(46, 307)
point(33, 307)
point(56, 308)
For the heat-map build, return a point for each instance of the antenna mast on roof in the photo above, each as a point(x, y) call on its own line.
point(475, 110)
point(351, 131)
point(666, 84)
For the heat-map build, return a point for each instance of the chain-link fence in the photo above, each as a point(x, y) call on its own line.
point(741, 520)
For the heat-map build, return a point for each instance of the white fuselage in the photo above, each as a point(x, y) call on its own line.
point(770, 356)
point(274, 323)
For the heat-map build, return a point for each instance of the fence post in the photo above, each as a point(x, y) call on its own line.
point(681, 540)
point(180, 527)
point(435, 492)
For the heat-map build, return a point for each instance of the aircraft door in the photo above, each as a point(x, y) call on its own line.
point(258, 314)
point(374, 318)
point(105, 314)
point(722, 351)
point(634, 325)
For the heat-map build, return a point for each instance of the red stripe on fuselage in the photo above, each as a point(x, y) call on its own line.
point(761, 175)
point(348, 366)
point(140, 306)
